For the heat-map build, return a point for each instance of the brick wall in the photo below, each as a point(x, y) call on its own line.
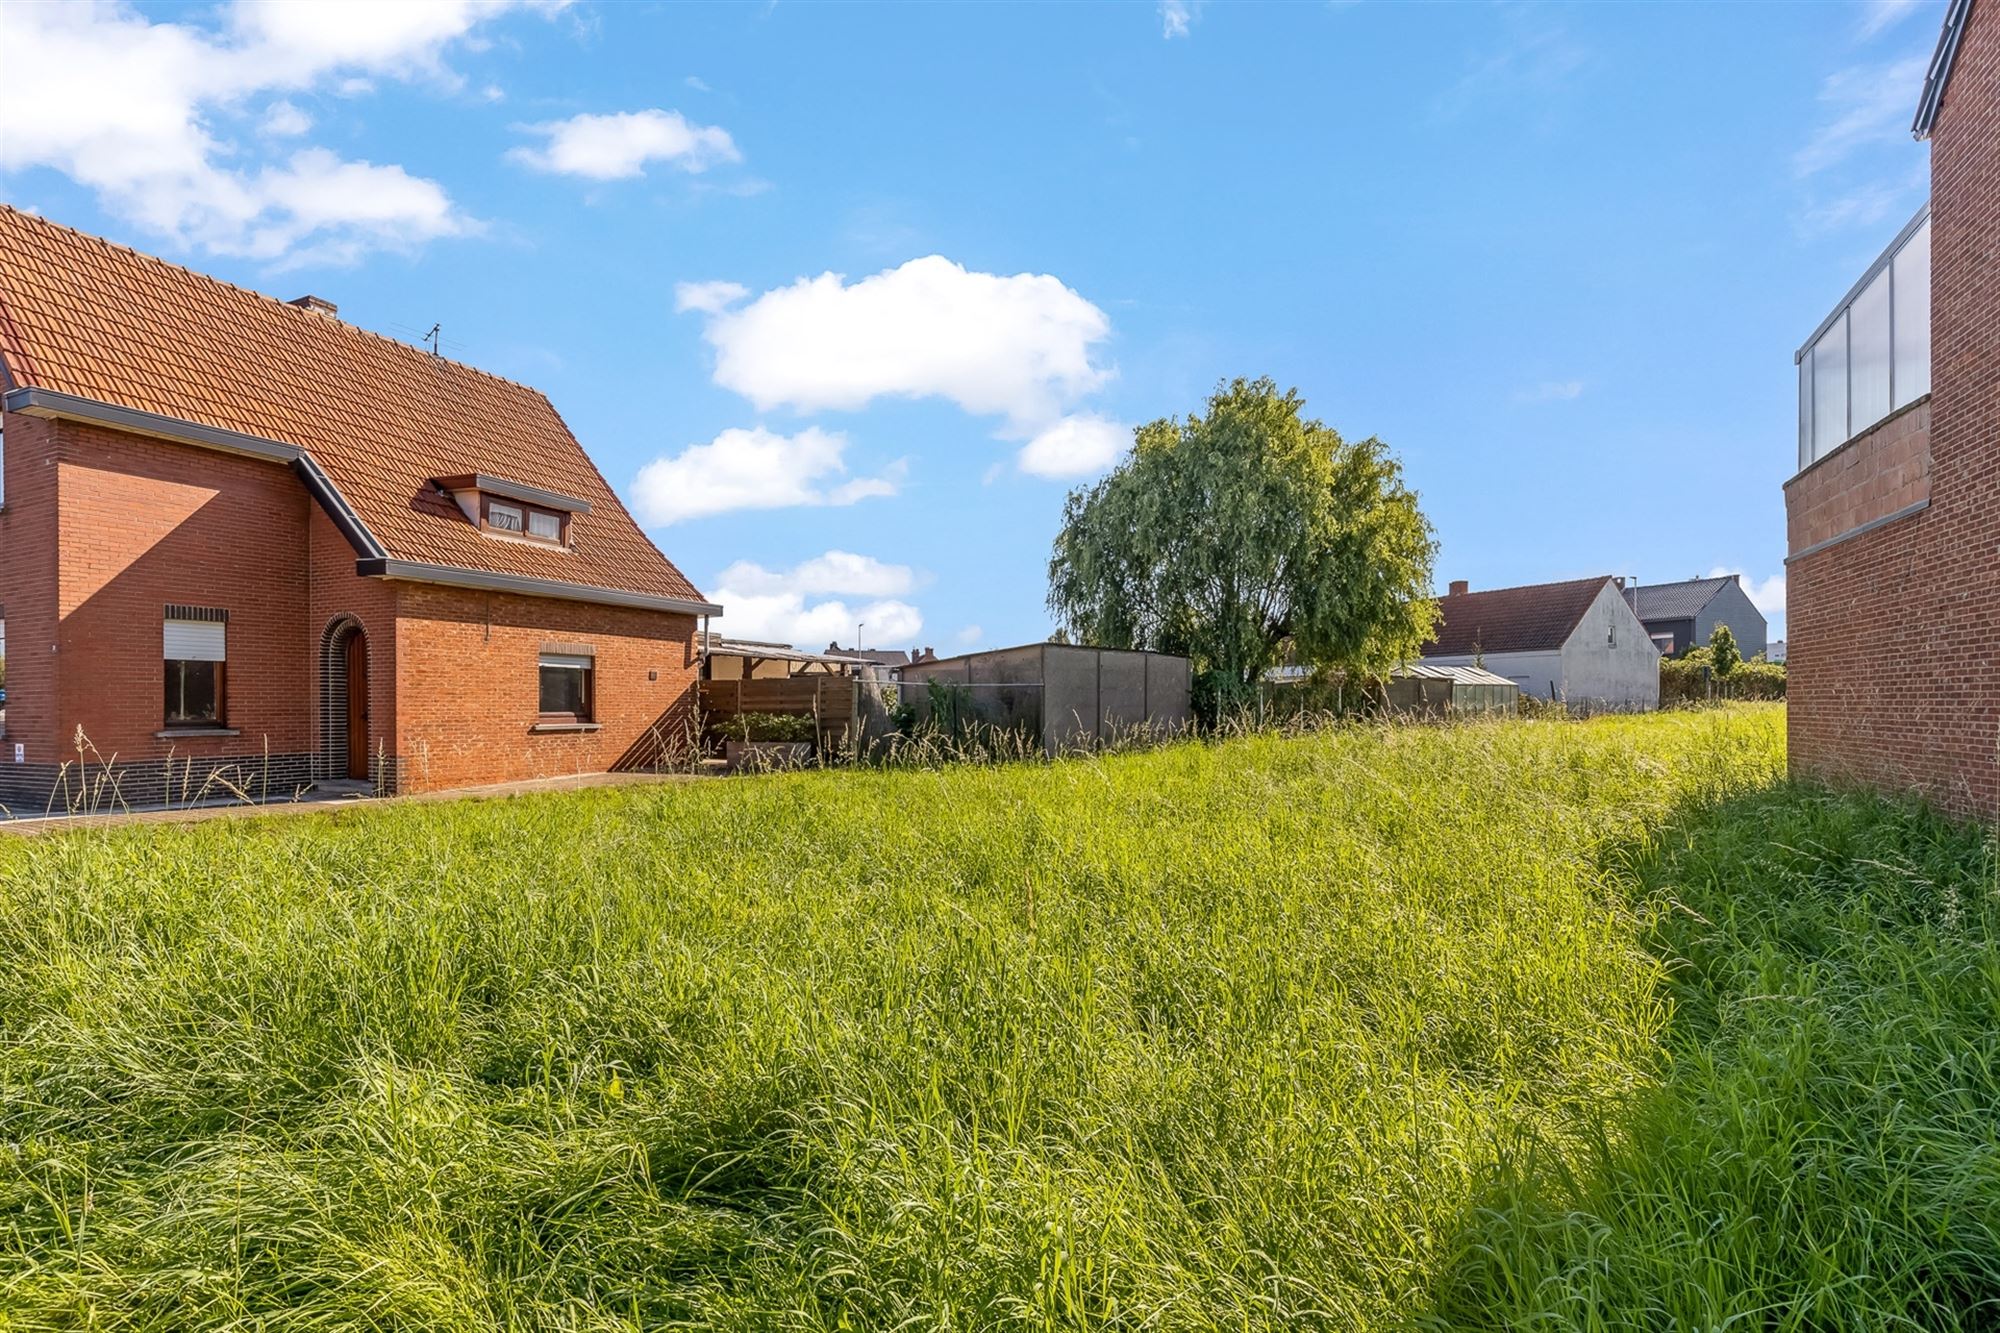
point(143, 523)
point(453, 680)
point(467, 684)
point(28, 587)
point(1877, 473)
point(1894, 635)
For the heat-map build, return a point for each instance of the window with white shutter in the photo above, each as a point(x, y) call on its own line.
point(195, 644)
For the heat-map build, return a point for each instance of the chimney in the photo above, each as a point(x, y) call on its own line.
point(1459, 587)
point(318, 305)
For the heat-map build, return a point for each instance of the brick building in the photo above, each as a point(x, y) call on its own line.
point(241, 537)
point(1894, 517)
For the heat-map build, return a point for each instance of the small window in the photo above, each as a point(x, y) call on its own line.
point(505, 518)
point(545, 525)
point(567, 687)
point(196, 653)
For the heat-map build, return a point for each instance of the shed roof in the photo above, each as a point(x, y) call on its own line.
point(1678, 601)
point(111, 328)
point(1457, 675)
point(1535, 618)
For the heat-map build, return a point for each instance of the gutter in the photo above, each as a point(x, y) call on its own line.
point(1939, 75)
point(453, 576)
point(374, 559)
point(48, 403)
point(322, 489)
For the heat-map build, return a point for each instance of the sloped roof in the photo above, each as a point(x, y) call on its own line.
point(1535, 618)
point(1678, 601)
point(380, 419)
point(1457, 675)
point(1939, 74)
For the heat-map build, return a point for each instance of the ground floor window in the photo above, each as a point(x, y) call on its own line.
point(196, 644)
point(567, 687)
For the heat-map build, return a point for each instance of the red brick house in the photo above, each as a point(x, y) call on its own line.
point(238, 535)
point(1894, 517)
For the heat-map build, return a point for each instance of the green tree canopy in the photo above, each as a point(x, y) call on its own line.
point(1723, 651)
point(1229, 536)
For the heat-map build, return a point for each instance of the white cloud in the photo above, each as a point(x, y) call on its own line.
point(1879, 16)
point(1075, 446)
point(1016, 347)
point(777, 605)
point(697, 84)
point(833, 572)
point(1767, 596)
point(1530, 57)
point(968, 635)
point(1862, 106)
point(708, 297)
point(754, 469)
point(621, 145)
point(132, 109)
point(283, 120)
point(1551, 391)
point(1175, 18)
point(297, 39)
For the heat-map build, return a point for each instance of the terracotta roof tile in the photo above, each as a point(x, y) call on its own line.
point(82, 316)
point(1534, 618)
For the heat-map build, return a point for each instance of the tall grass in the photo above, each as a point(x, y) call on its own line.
point(1260, 1034)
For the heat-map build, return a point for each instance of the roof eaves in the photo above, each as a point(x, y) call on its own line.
point(34, 402)
point(489, 484)
point(1939, 74)
point(322, 489)
point(456, 576)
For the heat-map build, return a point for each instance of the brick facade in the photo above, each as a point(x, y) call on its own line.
point(467, 683)
point(1894, 632)
point(102, 529)
point(1881, 472)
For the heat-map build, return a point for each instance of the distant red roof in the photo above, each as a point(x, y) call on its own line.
point(1536, 618)
point(381, 419)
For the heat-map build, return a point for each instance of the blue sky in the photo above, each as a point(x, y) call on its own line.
point(843, 298)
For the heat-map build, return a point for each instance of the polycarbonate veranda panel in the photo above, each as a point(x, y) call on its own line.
point(1829, 356)
point(1868, 355)
point(1912, 266)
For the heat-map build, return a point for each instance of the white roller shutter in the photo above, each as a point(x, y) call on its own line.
point(196, 641)
point(566, 660)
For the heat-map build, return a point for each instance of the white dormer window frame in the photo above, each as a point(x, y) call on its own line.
point(514, 511)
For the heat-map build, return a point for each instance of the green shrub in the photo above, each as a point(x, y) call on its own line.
point(1693, 679)
point(770, 727)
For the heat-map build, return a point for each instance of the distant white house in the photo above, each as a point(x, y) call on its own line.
point(1578, 641)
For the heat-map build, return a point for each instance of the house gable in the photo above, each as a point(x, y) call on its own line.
point(93, 331)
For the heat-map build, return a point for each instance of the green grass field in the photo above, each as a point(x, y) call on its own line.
point(1544, 1025)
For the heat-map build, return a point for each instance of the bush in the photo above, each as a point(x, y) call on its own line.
point(1693, 679)
point(769, 727)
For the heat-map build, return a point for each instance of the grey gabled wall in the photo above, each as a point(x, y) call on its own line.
point(1609, 660)
point(1732, 606)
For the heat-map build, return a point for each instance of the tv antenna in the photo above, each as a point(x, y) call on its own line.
point(432, 337)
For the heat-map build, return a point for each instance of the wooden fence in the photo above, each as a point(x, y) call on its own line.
point(831, 699)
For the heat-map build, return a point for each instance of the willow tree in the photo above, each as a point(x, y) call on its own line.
point(1241, 534)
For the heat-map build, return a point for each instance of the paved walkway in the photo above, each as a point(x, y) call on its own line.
point(322, 798)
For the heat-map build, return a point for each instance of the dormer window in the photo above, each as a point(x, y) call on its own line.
point(512, 509)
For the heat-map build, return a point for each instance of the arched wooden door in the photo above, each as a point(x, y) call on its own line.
point(357, 705)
